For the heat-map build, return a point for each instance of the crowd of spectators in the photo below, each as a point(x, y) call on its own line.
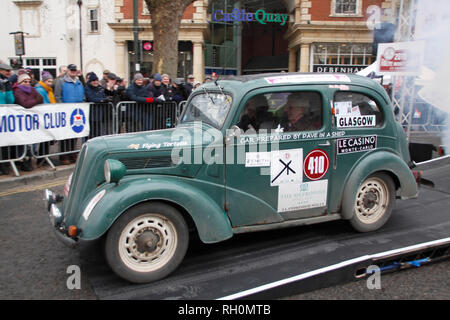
point(71, 86)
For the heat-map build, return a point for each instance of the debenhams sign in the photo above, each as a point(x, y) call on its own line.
point(337, 68)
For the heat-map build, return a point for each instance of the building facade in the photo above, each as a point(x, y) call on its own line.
point(229, 37)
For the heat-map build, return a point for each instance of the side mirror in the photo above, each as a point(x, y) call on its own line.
point(233, 132)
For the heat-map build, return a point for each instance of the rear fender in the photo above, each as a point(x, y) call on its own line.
point(381, 160)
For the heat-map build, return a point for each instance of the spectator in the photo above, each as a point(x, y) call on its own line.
point(104, 80)
point(139, 93)
point(96, 93)
point(24, 94)
point(189, 85)
point(69, 90)
point(157, 88)
point(44, 87)
point(196, 85)
point(168, 89)
point(6, 97)
point(178, 91)
point(6, 92)
point(34, 82)
point(114, 89)
point(207, 79)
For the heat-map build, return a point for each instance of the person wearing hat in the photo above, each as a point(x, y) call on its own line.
point(104, 80)
point(114, 89)
point(69, 89)
point(189, 85)
point(96, 93)
point(140, 115)
point(24, 94)
point(157, 88)
point(6, 92)
point(44, 87)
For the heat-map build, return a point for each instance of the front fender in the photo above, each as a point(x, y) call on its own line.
point(381, 160)
point(210, 220)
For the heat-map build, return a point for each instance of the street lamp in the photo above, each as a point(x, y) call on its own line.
point(80, 3)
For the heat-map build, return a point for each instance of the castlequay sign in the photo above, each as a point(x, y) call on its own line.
point(261, 16)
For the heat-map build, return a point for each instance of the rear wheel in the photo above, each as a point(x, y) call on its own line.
point(374, 202)
point(147, 242)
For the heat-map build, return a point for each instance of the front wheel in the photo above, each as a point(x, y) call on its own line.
point(147, 242)
point(375, 200)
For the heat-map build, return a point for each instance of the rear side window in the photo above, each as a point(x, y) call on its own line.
point(356, 110)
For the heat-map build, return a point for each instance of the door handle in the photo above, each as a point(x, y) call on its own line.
point(326, 144)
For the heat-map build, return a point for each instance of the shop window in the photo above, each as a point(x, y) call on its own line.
point(283, 111)
point(353, 104)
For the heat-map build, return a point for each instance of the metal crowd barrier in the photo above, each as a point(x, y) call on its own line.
point(104, 119)
point(12, 154)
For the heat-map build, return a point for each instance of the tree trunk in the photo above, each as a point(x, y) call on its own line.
point(166, 20)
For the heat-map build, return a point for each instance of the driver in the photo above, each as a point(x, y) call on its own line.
point(255, 114)
point(295, 114)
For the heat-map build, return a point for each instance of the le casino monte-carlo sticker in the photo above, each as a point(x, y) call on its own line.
point(356, 144)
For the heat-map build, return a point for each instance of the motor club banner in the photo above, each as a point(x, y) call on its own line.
point(45, 122)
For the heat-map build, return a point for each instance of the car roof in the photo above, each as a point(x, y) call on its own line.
point(250, 82)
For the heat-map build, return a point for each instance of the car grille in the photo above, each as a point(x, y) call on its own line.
point(148, 162)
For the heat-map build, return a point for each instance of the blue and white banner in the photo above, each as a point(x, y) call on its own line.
point(45, 122)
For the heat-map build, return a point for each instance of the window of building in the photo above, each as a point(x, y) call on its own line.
point(346, 7)
point(93, 20)
point(39, 65)
point(287, 111)
point(332, 57)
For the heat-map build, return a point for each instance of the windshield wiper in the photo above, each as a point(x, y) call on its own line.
point(207, 94)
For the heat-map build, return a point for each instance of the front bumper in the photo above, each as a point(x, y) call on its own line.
point(56, 219)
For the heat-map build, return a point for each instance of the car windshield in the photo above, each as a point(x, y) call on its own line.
point(209, 107)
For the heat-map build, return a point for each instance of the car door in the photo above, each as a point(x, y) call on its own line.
point(278, 168)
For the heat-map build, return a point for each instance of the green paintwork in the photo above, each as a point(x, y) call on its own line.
point(222, 198)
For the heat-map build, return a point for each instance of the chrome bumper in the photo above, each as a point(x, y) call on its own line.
point(56, 218)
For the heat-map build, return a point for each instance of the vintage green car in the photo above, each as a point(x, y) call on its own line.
point(253, 153)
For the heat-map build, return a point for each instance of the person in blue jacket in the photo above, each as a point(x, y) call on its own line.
point(69, 89)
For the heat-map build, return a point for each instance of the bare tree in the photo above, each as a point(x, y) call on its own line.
point(166, 19)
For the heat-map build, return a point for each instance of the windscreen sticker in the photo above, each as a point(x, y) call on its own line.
point(351, 121)
point(308, 195)
point(257, 159)
point(357, 144)
point(286, 167)
point(339, 86)
point(308, 78)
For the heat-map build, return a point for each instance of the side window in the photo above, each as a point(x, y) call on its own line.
point(356, 110)
point(282, 112)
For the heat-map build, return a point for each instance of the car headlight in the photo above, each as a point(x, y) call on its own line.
point(114, 170)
